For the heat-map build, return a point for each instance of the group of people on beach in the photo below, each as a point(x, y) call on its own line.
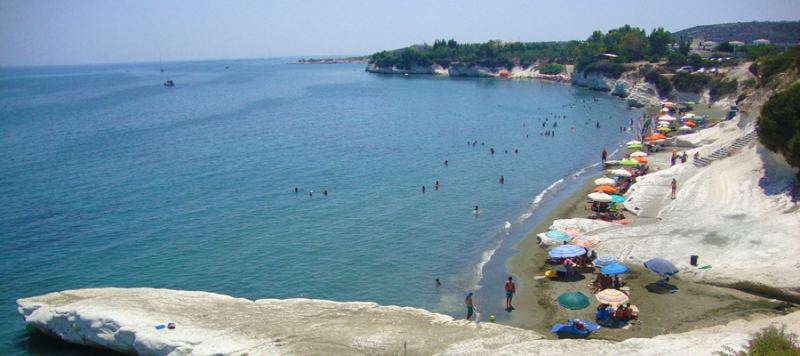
point(510, 287)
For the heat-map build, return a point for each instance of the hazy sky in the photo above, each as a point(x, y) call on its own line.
point(41, 32)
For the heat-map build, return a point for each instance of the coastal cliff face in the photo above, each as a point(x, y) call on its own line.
point(453, 71)
point(638, 92)
point(131, 321)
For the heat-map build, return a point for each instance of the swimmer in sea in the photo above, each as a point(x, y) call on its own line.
point(502, 179)
point(477, 211)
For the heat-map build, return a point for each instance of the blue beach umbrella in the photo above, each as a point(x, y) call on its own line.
point(661, 266)
point(603, 261)
point(567, 251)
point(617, 198)
point(557, 235)
point(614, 268)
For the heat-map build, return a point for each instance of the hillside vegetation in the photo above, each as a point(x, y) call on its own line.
point(777, 32)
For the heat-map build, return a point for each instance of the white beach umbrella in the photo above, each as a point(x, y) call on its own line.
point(621, 173)
point(664, 110)
point(688, 116)
point(667, 118)
point(600, 197)
point(684, 128)
point(632, 143)
point(638, 154)
point(605, 180)
point(663, 123)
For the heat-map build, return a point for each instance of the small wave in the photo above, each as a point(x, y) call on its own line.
point(538, 198)
point(486, 256)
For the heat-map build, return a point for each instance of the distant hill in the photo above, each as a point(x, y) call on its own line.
point(784, 32)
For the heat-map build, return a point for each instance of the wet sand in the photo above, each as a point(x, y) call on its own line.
point(692, 306)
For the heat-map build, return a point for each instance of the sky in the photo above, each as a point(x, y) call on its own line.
point(57, 32)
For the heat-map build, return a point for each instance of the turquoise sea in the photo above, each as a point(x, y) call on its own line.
point(110, 178)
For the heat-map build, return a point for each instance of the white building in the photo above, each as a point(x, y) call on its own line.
point(761, 42)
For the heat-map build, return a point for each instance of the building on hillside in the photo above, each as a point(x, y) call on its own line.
point(708, 45)
point(761, 42)
point(736, 44)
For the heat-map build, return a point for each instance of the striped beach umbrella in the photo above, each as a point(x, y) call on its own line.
point(605, 260)
point(557, 235)
point(612, 296)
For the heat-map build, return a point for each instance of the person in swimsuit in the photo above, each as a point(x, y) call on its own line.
point(511, 288)
point(673, 186)
point(470, 307)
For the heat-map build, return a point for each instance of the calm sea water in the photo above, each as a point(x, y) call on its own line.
point(110, 178)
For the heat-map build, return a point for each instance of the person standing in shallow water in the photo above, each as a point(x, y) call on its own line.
point(605, 154)
point(511, 288)
point(470, 307)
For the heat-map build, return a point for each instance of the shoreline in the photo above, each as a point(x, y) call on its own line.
point(696, 305)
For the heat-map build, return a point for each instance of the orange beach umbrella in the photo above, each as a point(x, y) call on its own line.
point(605, 189)
point(690, 123)
point(640, 159)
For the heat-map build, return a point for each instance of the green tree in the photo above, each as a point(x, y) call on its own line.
point(725, 47)
point(779, 125)
point(684, 46)
point(659, 41)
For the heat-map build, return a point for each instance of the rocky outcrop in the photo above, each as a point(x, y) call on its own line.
point(434, 69)
point(457, 70)
point(638, 92)
point(133, 321)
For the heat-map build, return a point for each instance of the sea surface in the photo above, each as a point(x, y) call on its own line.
point(110, 178)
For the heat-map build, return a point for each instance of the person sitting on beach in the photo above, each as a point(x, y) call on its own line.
point(618, 282)
point(619, 314)
point(629, 313)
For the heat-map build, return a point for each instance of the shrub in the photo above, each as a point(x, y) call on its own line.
point(690, 83)
point(741, 98)
point(655, 58)
point(770, 341)
point(754, 69)
point(652, 76)
point(720, 88)
point(749, 83)
point(663, 86)
point(551, 68)
point(779, 125)
point(609, 69)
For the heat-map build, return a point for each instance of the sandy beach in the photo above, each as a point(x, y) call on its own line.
point(700, 301)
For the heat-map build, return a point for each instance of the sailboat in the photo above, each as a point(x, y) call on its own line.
point(159, 65)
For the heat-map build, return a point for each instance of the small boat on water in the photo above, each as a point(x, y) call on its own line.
point(169, 83)
point(159, 65)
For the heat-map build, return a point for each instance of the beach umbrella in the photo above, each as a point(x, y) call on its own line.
point(605, 189)
point(614, 268)
point(617, 198)
point(605, 180)
point(573, 300)
point(691, 103)
point(605, 260)
point(566, 251)
point(629, 163)
point(570, 232)
point(652, 138)
point(663, 123)
point(621, 173)
point(663, 129)
point(664, 110)
point(640, 159)
point(660, 136)
point(635, 146)
point(557, 235)
point(661, 266)
point(690, 123)
point(611, 296)
point(638, 154)
point(667, 118)
point(600, 197)
point(687, 116)
point(586, 241)
point(632, 142)
point(684, 128)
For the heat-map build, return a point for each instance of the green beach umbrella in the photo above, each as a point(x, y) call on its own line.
point(635, 146)
point(629, 163)
point(664, 129)
point(573, 300)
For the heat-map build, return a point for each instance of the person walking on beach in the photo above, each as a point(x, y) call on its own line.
point(470, 307)
point(605, 155)
point(673, 186)
point(511, 288)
